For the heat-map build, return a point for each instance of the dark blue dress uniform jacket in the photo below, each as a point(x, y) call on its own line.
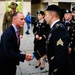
point(72, 43)
point(41, 29)
point(57, 51)
point(9, 52)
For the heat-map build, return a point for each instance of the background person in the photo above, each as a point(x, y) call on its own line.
point(40, 30)
point(7, 20)
point(28, 21)
point(73, 13)
point(68, 22)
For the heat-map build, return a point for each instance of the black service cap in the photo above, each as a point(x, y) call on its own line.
point(67, 11)
point(40, 12)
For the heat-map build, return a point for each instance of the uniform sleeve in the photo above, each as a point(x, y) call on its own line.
point(46, 32)
point(4, 23)
point(60, 42)
point(9, 50)
point(35, 29)
point(39, 53)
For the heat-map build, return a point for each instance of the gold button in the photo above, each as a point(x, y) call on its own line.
point(72, 34)
point(71, 42)
point(71, 38)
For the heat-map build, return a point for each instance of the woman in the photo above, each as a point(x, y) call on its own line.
point(40, 31)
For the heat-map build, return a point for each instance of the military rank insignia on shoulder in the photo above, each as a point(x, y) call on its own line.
point(73, 21)
point(58, 25)
point(60, 42)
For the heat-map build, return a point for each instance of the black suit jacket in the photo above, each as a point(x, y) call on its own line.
point(9, 52)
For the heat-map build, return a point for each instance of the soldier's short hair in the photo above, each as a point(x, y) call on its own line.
point(54, 8)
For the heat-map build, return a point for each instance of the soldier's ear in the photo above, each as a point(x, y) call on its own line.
point(51, 14)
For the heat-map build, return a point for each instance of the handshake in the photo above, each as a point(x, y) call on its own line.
point(29, 57)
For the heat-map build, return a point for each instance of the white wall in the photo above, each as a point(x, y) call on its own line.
point(66, 0)
point(38, 7)
point(26, 7)
point(2, 11)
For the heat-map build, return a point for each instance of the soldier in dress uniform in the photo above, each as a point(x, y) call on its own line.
point(56, 44)
point(73, 13)
point(7, 20)
point(72, 39)
point(72, 45)
point(40, 33)
point(70, 25)
point(68, 22)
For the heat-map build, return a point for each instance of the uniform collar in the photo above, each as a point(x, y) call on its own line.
point(41, 21)
point(68, 21)
point(54, 23)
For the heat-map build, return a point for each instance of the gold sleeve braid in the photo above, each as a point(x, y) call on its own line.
point(44, 36)
point(38, 53)
point(35, 33)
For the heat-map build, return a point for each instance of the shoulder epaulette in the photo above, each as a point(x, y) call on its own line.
point(73, 21)
point(59, 25)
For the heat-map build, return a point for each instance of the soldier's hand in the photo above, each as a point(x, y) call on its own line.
point(40, 38)
point(28, 57)
point(37, 36)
